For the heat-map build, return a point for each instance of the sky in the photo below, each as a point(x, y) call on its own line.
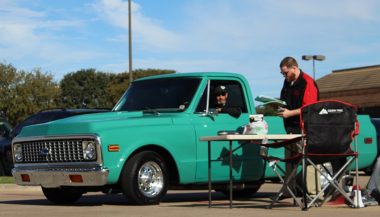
point(249, 37)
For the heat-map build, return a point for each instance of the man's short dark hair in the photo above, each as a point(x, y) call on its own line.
point(288, 62)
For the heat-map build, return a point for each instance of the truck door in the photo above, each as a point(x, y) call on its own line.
point(245, 159)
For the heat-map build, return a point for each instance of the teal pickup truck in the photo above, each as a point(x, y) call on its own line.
point(150, 142)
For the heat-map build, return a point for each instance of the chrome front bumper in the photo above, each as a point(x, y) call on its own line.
point(52, 178)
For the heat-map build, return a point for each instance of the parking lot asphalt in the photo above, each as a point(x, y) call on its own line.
point(29, 201)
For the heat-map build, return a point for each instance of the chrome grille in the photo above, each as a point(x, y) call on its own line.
point(52, 151)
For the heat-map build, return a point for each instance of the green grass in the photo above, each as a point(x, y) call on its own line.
point(6, 180)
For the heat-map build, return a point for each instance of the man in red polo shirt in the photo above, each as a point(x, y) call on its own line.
point(299, 89)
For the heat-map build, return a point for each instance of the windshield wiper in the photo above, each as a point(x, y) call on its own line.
point(157, 111)
point(153, 111)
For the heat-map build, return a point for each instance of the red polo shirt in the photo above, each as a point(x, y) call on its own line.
point(302, 92)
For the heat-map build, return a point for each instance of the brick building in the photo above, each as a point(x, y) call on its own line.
point(359, 86)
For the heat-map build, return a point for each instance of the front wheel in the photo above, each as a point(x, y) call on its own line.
point(144, 178)
point(2, 169)
point(63, 195)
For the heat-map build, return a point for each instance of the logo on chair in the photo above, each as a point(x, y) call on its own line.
point(323, 112)
point(330, 111)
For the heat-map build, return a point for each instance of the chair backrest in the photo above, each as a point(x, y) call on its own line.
point(329, 127)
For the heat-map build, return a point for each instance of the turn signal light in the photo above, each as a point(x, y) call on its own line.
point(76, 178)
point(113, 148)
point(25, 178)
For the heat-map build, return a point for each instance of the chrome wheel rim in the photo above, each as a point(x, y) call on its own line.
point(150, 179)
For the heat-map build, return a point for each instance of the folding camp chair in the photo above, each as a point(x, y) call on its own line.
point(328, 129)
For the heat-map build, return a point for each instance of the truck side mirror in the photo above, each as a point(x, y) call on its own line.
point(212, 113)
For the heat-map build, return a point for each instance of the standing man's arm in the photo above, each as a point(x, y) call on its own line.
point(286, 113)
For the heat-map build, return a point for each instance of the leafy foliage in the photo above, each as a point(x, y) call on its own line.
point(23, 93)
point(85, 88)
point(95, 89)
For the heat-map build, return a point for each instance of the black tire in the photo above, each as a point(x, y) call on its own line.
point(63, 195)
point(368, 171)
point(144, 178)
point(8, 163)
point(2, 168)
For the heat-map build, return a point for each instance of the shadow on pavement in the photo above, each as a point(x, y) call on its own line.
point(184, 199)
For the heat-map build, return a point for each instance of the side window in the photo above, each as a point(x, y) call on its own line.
point(235, 95)
point(202, 102)
point(3, 130)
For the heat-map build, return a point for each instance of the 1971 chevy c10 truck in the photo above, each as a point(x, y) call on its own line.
point(151, 142)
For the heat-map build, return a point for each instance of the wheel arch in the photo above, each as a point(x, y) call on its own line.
point(166, 156)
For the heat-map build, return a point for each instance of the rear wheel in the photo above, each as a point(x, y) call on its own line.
point(144, 178)
point(63, 195)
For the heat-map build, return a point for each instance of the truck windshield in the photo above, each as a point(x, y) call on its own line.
point(159, 95)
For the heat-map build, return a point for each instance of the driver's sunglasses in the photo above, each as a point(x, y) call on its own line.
point(221, 94)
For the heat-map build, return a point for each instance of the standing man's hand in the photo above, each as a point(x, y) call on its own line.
point(286, 113)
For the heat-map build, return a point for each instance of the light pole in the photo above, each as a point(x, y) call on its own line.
point(130, 41)
point(314, 58)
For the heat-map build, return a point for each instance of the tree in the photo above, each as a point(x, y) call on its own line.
point(8, 82)
point(24, 93)
point(85, 88)
point(95, 89)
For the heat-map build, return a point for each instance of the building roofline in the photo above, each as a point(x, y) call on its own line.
point(355, 68)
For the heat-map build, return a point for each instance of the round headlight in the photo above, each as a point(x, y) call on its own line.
point(89, 150)
point(17, 153)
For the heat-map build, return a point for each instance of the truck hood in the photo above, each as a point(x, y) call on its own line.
point(97, 122)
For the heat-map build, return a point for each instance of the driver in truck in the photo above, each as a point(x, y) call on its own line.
point(222, 105)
